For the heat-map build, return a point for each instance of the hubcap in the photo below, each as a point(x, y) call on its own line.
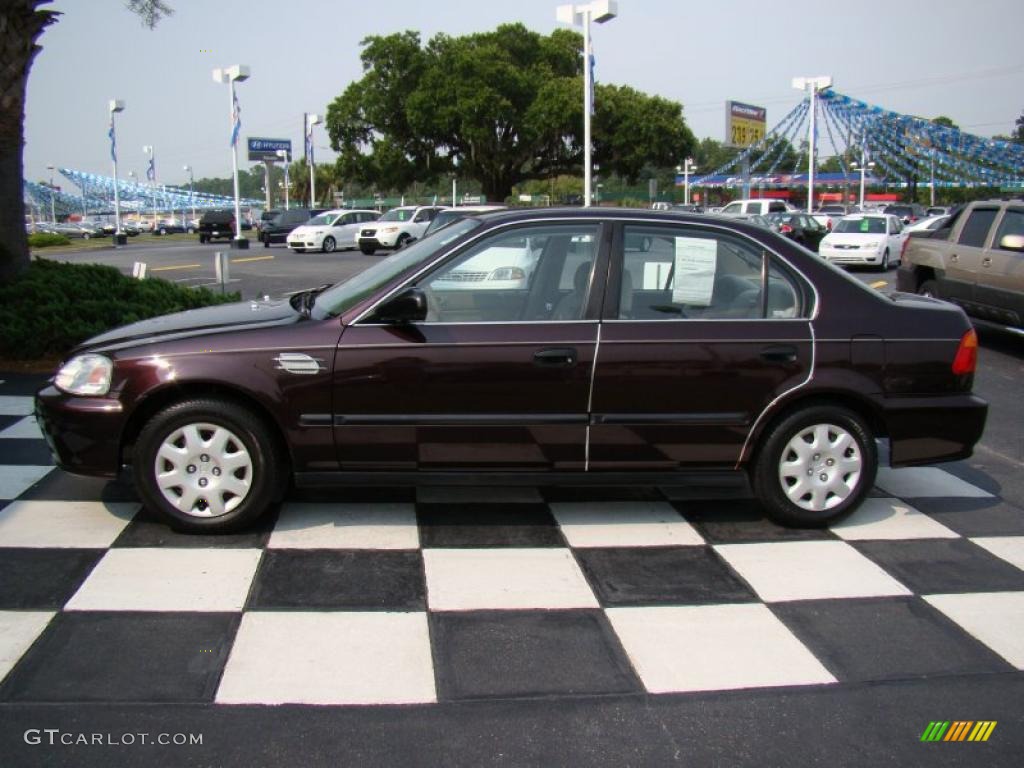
point(203, 470)
point(820, 467)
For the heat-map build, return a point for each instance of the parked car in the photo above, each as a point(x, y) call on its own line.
point(330, 230)
point(266, 216)
point(217, 225)
point(908, 213)
point(396, 228)
point(446, 216)
point(687, 208)
point(939, 210)
point(837, 209)
point(927, 224)
point(74, 229)
point(973, 260)
point(760, 206)
point(278, 228)
point(865, 239)
point(799, 227)
point(660, 205)
point(172, 226)
point(724, 349)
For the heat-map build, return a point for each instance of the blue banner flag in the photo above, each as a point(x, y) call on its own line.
point(151, 168)
point(236, 119)
point(113, 141)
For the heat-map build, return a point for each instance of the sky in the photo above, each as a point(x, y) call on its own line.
point(921, 57)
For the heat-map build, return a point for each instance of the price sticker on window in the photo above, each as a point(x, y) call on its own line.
point(696, 263)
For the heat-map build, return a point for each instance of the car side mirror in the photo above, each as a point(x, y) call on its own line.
point(1012, 243)
point(410, 306)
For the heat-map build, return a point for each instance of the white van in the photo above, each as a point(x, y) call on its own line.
point(761, 207)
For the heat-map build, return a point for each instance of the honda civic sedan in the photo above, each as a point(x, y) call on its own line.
point(636, 347)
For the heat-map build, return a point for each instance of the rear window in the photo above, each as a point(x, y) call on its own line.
point(976, 228)
point(776, 207)
point(216, 217)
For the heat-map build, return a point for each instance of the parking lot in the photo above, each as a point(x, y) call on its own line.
point(512, 625)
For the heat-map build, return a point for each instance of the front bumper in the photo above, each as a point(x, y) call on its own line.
point(84, 433)
point(850, 256)
point(923, 430)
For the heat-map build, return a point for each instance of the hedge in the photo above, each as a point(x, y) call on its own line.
point(53, 306)
point(45, 239)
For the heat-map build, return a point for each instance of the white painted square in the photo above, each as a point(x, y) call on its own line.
point(1010, 548)
point(145, 579)
point(481, 579)
point(882, 518)
point(26, 429)
point(809, 570)
point(18, 630)
point(11, 405)
point(346, 526)
point(713, 647)
point(475, 494)
point(330, 658)
point(926, 482)
point(994, 618)
point(624, 524)
point(74, 524)
point(15, 479)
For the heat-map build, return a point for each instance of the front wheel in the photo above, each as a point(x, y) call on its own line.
point(207, 466)
point(403, 240)
point(815, 466)
point(884, 266)
point(329, 244)
point(369, 250)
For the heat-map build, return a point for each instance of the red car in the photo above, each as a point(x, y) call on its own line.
point(614, 346)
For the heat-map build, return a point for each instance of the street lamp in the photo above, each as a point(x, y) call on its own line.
point(311, 120)
point(53, 209)
point(231, 75)
point(283, 154)
point(581, 15)
point(116, 105)
point(863, 168)
point(191, 191)
point(151, 177)
point(686, 169)
point(813, 85)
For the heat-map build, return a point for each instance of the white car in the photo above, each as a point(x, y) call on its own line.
point(759, 206)
point(397, 227)
point(330, 231)
point(865, 238)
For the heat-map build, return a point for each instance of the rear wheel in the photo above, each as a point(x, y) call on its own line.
point(329, 244)
point(207, 465)
point(929, 288)
point(815, 466)
point(266, 241)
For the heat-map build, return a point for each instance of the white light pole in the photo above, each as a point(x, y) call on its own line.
point(191, 191)
point(231, 75)
point(148, 150)
point(283, 154)
point(53, 208)
point(863, 168)
point(813, 85)
point(688, 167)
point(311, 120)
point(581, 15)
point(116, 105)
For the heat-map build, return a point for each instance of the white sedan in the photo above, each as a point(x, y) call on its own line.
point(330, 230)
point(871, 239)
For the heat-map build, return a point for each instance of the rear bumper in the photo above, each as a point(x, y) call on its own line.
point(84, 433)
point(923, 430)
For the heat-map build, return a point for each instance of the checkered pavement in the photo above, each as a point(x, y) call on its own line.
point(398, 596)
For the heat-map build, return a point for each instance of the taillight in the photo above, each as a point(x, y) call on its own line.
point(966, 359)
point(903, 248)
point(785, 229)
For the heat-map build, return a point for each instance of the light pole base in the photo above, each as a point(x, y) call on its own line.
point(120, 239)
point(240, 244)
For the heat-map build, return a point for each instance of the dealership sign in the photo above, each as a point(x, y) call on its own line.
point(266, 149)
point(744, 124)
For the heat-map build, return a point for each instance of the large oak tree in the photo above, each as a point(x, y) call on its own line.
point(503, 106)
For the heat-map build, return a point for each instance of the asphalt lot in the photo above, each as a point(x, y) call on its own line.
point(849, 671)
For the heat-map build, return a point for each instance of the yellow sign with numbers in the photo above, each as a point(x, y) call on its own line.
point(744, 124)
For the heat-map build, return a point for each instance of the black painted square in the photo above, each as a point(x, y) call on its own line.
point(336, 579)
point(975, 517)
point(145, 530)
point(885, 639)
point(59, 485)
point(25, 452)
point(527, 653)
point(741, 521)
point(661, 575)
point(487, 525)
point(125, 657)
point(932, 566)
point(43, 579)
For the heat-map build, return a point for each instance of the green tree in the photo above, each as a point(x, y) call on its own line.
point(21, 24)
point(502, 107)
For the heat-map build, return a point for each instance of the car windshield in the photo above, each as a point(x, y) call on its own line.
point(398, 214)
point(443, 219)
point(861, 225)
point(785, 218)
point(347, 294)
point(322, 220)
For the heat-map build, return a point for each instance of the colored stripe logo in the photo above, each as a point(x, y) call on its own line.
point(958, 730)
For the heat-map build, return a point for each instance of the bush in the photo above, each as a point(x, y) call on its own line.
point(45, 239)
point(53, 306)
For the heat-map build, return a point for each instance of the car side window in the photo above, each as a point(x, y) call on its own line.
point(672, 273)
point(977, 226)
point(516, 275)
point(1012, 224)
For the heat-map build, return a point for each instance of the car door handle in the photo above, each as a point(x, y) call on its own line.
point(555, 357)
point(954, 257)
point(986, 262)
point(779, 353)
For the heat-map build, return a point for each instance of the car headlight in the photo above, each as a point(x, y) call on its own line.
point(873, 246)
point(507, 273)
point(389, 229)
point(85, 375)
